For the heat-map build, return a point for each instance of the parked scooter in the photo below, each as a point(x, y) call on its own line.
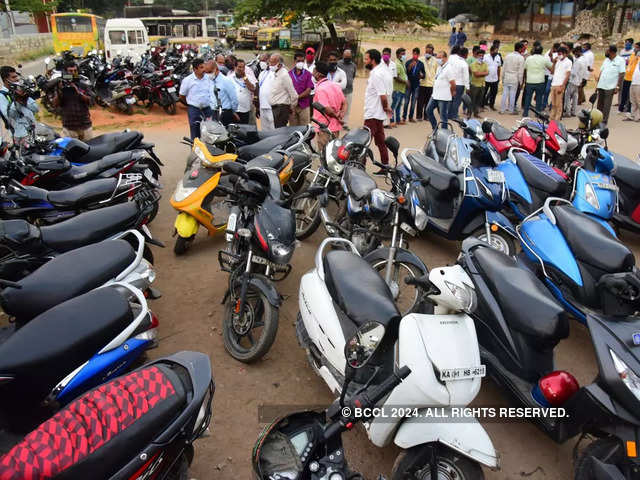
point(343, 295)
point(154, 414)
point(519, 325)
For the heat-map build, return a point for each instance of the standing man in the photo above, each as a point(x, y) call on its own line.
point(223, 97)
point(512, 74)
point(415, 73)
point(460, 70)
point(16, 108)
point(195, 92)
point(462, 37)
point(283, 96)
point(303, 83)
point(426, 84)
point(634, 90)
point(310, 59)
point(349, 68)
point(245, 83)
point(552, 54)
point(578, 73)
point(479, 71)
point(536, 67)
point(561, 73)
point(392, 73)
point(265, 83)
point(74, 102)
point(376, 103)
point(336, 74)
point(589, 58)
point(494, 62)
point(444, 88)
point(453, 38)
point(611, 71)
point(625, 105)
point(400, 85)
point(625, 54)
point(222, 66)
point(330, 95)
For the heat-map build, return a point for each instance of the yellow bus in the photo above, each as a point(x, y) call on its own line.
point(78, 32)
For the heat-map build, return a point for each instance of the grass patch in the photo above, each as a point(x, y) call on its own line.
point(35, 54)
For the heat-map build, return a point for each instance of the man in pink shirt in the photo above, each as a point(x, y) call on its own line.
point(330, 95)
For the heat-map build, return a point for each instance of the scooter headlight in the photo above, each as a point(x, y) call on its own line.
point(628, 376)
point(282, 253)
point(420, 218)
point(591, 197)
point(464, 294)
point(562, 144)
point(182, 192)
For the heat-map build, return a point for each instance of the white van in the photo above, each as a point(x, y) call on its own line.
point(125, 36)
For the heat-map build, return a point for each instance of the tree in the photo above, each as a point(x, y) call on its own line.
point(373, 13)
point(33, 6)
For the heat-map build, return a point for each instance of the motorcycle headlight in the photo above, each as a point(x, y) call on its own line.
point(591, 197)
point(420, 218)
point(562, 144)
point(282, 253)
point(464, 294)
point(333, 164)
point(182, 192)
point(628, 376)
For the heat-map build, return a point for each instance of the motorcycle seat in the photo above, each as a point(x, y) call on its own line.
point(358, 182)
point(66, 276)
point(288, 131)
point(110, 143)
point(358, 289)
point(441, 140)
point(58, 341)
point(89, 227)
point(273, 160)
point(358, 136)
point(440, 177)
point(248, 152)
point(102, 430)
point(591, 242)
point(627, 171)
point(500, 133)
point(526, 304)
point(540, 175)
point(17, 232)
point(534, 127)
point(84, 193)
point(91, 169)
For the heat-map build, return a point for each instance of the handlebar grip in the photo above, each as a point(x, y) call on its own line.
point(370, 398)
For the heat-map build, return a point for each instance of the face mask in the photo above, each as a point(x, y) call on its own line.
point(439, 61)
point(263, 65)
point(386, 58)
point(333, 66)
point(368, 66)
point(560, 57)
point(403, 58)
point(628, 46)
point(480, 60)
point(300, 65)
point(273, 68)
point(427, 56)
point(415, 56)
point(483, 48)
point(347, 60)
point(309, 58)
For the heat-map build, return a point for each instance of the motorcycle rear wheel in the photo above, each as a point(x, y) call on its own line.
point(170, 108)
point(451, 465)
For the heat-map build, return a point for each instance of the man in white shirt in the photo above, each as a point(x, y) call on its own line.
point(265, 82)
point(245, 82)
point(377, 107)
point(494, 61)
point(283, 96)
point(444, 88)
point(512, 76)
point(634, 90)
point(561, 72)
point(392, 68)
point(460, 70)
point(589, 58)
point(336, 74)
point(578, 72)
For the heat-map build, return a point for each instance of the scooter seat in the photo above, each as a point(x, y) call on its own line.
point(358, 182)
point(358, 289)
point(526, 304)
point(248, 152)
point(357, 136)
point(102, 430)
point(273, 160)
point(591, 242)
point(441, 140)
point(627, 171)
point(55, 343)
point(89, 227)
point(540, 175)
point(89, 170)
point(439, 176)
point(65, 277)
point(84, 193)
point(109, 143)
point(17, 232)
point(500, 133)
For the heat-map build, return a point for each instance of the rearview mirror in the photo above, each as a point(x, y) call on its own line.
point(486, 126)
point(604, 133)
point(47, 61)
point(593, 97)
point(392, 144)
point(360, 348)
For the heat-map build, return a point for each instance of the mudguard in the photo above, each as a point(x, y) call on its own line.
point(266, 287)
point(496, 218)
point(186, 225)
point(468, 437)
point(402, 255)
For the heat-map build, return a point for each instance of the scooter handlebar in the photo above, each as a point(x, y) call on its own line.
point(370, 397)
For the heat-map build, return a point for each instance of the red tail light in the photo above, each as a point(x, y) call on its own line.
point(555, 389)
point(343, 153)
point(128, 91)
point(168, 83)
point(154, 321)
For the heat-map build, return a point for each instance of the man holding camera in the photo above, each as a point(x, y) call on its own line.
point(17, 108)
point(74, 102)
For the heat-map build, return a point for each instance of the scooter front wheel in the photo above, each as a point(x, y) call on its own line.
point(410, 465)
point(500, 240)
point(182, 244)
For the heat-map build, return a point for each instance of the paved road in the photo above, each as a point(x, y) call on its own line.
point(34, 67)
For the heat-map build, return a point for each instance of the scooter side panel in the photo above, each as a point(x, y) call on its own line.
point(515, 181)
point(607, 198)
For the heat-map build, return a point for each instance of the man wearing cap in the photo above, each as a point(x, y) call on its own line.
point(330, 95)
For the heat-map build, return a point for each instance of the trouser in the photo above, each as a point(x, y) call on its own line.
point(529, 90)
point(280, 115)
point(424, 95)
point(547, 91)
point(252, 115)
point(454, 105)
point(196, 115)
point(349, 98)
point(508, 97)
point(244, 117)
point(477, 96)
point(557, 102)
point(491, 92)
point(396, 105)
point(443, 107)
point(82, 134)
point(515, 100)
point(266, 119)
point(571, 99)
point(624, 105)
point(225, 118)
point(634, 95)
point(581, 97)
point(300, 116)
point(605, 98)
point(411, 96)
point(377, 131)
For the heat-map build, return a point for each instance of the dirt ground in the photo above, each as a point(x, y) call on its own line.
point(190, 316)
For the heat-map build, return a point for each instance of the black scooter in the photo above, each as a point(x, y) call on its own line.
point(519, 324)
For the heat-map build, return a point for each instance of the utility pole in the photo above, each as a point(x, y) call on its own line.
point(12, 27)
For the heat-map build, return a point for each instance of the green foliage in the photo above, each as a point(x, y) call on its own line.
point(34, 6)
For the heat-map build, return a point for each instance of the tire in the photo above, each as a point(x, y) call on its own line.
point(182, 244)
point(180, 469)
point(307, 216)
point(170, 108)
point(128, 109)
point(608, 450)
point(500, 240)
point(451, 465)
point(406, 297)
point(258, 312)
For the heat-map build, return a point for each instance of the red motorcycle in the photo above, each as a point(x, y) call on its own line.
point(527, 136)
point(158, 87)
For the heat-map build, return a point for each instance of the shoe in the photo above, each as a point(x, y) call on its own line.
point(380, 173)
point(501, 112)
point(403, 122)
point(411, 120)
point(393, 124)
point(346, 128)
point(387, 126)
point(629, 119)
point(492, 108)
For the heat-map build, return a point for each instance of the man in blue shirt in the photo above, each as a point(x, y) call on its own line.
point(415, 73)
point(16, 107)
point(453, 38)
point(611, 73)
point(195, 91)
point(224, 91)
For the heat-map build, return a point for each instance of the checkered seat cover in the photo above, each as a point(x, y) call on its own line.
point(98, 433)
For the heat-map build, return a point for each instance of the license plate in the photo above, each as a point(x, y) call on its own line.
point(462, 373)
point(130, 100)
point(408, 229)
point(231, 223)
point(171, 89)
point(149, 176)
point(495, 176)
point(260, 260)
point(607, 186)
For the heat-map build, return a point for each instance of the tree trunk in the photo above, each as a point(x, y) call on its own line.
point(334, 34)
point(622, 15)
point(551, 19)
point(517, 19)
point(573, 15)
point(560, 15)
point(533, 8)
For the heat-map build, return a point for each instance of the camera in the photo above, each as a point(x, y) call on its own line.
point(25, 89)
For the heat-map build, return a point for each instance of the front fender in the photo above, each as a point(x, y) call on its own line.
point(402, 255)
point(266, 288)
point(468, 438)
point(497, 218)
point(186, 225)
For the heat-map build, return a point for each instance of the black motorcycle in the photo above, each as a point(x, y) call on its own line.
point(260, 243)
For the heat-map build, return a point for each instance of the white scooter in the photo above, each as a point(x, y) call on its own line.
point(343, 295)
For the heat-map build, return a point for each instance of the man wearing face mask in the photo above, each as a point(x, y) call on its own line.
point(245, 84)
point(415, 73)
point(283, 96)
point(400, 84)
point(479, 70)
point(224, 99)
point(336, 74)
point(303, 84)
point(623, 104)
point(16, 109)
point(612, 69)
point(444, 88)
point(263, 111)
point(561, 70)
point(376, 103)
point(349, 68)
point(426, 83)
point(634, 90)
point(392, 72)
point(330, 95)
